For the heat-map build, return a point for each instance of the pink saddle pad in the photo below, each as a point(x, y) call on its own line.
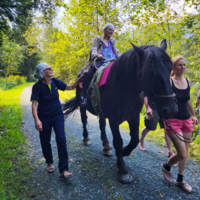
point(104, 76)
point(81, 84)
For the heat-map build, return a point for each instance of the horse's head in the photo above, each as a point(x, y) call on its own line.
point(155, 72)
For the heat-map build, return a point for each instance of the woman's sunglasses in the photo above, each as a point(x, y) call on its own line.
point(48, 69)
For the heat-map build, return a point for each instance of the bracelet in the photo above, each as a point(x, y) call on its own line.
point(198, 96)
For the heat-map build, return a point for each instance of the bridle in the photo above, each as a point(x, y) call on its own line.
point(168, 96)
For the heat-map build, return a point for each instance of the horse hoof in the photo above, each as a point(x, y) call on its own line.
point(107, 152)
point(86, 142)
point(126, 178)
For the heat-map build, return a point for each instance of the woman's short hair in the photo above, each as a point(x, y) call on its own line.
point(174, 61)
point(39, 69)
point(107, 25)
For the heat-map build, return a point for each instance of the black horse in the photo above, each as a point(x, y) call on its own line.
point(144, 69)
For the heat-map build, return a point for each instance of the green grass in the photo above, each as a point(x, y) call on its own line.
point(68, 94)
point(11, 81)
point(14, 169)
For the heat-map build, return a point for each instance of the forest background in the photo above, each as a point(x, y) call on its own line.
point(31, 32)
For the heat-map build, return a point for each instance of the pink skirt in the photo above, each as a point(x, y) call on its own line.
point(179, 125)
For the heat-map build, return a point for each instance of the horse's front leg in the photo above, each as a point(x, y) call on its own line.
point(107, 150)
point(134, 133)
point(86, 139)
point(124, 176)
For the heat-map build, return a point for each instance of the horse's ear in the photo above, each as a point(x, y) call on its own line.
point(139, 51)
point(163, 45)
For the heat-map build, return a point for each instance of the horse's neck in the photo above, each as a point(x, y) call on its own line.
point(124, 74)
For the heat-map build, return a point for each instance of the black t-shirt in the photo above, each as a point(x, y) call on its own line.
point(182, 96)
point(48, 100)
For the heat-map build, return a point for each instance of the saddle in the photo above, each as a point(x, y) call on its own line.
point(99, 79)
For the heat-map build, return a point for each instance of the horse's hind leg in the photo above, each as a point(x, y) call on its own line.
point(124, 176)
point(107, 150)
point(86, 140)
point(134, 133)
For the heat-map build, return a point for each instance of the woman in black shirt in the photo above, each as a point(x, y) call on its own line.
point(181, 124)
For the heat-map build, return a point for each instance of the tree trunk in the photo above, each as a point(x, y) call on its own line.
point(169, 33)
point(30, 71)
point(105, 13)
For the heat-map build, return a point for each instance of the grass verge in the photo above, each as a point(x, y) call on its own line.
point(14, 170)
point(67, 94)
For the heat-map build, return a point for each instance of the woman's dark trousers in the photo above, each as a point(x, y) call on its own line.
point(87, 79)
point(57, 123)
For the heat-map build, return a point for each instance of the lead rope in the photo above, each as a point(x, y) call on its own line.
point(179, 135)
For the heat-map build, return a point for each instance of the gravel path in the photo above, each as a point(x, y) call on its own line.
point(94, 175)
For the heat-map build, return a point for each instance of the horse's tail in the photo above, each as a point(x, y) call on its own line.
point(70, 106)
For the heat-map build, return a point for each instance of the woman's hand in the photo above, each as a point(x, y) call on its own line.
point(100, 56)
point(194, 120)
point(83, 74)
point(38, 125)
point(149, 111)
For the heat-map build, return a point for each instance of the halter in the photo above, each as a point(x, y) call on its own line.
point(170, 96)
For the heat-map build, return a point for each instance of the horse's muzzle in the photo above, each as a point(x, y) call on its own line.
point(168, 109)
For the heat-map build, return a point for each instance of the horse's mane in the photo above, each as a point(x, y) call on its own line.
point(130, 69)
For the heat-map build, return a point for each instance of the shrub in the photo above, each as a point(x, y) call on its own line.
point(11, 81)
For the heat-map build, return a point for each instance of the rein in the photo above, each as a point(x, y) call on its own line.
point(109, 60)
point(179, 136)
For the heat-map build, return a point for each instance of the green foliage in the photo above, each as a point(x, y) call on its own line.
point(68, 51)
point(16, 59)
point(19, 13)
point(142, 22)
point(66, 95)
point(15, 170)
point(11, 56)
point(15, 18)
point(11, 82)
point(16, 12)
